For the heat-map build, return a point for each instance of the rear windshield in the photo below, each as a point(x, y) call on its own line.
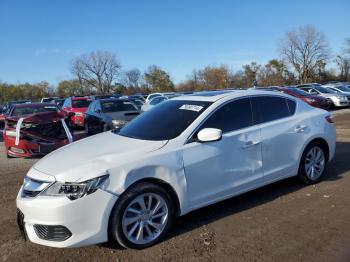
point(299, 92)
point(80, 103)
point(344, 88)
point(116, 106)
point(20, 111)
point(165, 121)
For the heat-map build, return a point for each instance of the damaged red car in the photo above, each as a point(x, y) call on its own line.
point(35, 129)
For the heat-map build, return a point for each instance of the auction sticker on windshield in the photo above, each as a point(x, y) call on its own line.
point(191, 107)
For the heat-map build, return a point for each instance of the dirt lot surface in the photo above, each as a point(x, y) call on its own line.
point(285, 221)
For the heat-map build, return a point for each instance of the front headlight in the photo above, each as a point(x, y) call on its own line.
point(118, 122)
point(78, 114)
point(77, 190)
point(10, 132)
point(335, 98)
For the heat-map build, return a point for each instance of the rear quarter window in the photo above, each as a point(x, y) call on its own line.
point(291, 106)
point(270, 108)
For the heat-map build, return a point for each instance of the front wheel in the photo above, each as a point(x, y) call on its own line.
point(142, 216)
point(313, 163)
point(87, 129)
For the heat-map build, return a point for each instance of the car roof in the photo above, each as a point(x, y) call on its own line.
point(114, 99)
point(213, 96)
point(79, 98)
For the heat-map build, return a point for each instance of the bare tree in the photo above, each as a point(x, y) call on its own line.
point(343, 63)
point(133, 78)
point(97, 69)
point(304, 49)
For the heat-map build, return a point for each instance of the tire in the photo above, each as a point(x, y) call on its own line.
point(87, 129)
point(313, 163)
point(121, 217)
point(71, 125)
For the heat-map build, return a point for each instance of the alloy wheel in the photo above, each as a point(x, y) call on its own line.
point(314, 163)
point(145, 218)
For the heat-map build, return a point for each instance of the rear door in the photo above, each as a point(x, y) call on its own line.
point(283, 134)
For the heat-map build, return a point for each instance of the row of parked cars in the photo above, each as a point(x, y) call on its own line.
point(49, 125)
point(34, 129)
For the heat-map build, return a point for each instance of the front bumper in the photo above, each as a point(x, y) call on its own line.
point(86, 218)
point(31, 149)
point(341, 103)
point(78, 120)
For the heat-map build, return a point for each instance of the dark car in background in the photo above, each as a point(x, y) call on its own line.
point(5, 109)
point(107, 114)
point(35, 129)
point(313, 100)
point(96, 97)
point(78, 106)
point(58, 101)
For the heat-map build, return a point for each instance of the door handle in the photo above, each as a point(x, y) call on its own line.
point(251, 143)
point(300, 129)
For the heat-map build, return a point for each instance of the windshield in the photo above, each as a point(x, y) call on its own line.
point(343, 88)
point(20, 111)
point(116, 106)
point(165, 121)
point(324, 90)
point(80, 103)
point(157, 100)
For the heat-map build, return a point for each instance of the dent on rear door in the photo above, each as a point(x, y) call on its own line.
point(282, 146)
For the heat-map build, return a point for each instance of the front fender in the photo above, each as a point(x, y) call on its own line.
point(166, 168)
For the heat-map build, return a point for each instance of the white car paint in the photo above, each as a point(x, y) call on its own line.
point(151, 96)
point(199, 173)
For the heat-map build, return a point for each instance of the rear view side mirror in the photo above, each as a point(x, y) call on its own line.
point(209, 135)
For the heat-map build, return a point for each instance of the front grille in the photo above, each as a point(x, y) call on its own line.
point(49, 130)
point(52, 233)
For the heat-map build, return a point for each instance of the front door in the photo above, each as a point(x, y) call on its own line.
point(215, 170)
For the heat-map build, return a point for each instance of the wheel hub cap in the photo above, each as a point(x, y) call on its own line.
point(314, 163)
point(145, 218)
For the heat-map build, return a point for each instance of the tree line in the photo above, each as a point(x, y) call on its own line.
point(304, 56)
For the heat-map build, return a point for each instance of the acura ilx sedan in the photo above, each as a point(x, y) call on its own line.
point(128, 186)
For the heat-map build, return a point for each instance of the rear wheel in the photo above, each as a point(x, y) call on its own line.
point(142, 216)
point(313, 163)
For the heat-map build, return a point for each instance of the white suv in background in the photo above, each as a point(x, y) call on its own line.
point(186, 153)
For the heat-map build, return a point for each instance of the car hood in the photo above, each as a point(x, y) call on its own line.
point(79, 109)
point(94, 156)
point(329, 95)
point(39, 118)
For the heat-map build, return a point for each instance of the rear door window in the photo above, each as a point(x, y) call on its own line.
point(232, 116)
point(270, 108)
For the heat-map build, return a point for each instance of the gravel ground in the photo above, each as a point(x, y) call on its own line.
point(285, 221)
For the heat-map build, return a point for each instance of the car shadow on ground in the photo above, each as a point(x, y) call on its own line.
point(339, 165)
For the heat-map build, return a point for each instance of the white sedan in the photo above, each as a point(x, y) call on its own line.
point(189, 152)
